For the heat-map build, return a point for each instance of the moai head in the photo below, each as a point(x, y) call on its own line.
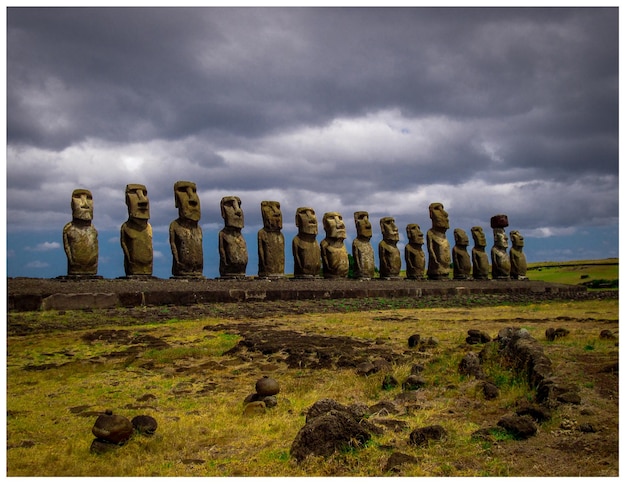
point(500, 239)
point(137, 201)
point(186, 200)
point(334, 226)
point(438, 216)
point(460, 238)
point(516, 239)
point(414, 234)
point(389, 229)
point(363, 225)
point(479, 237)
point(232, 212)
point(82, 205)
point(272, 216)
point(306, 221)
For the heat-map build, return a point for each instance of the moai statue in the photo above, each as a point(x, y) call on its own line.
point(413, 253)
point(460, 258)
point(186, 233)
point(271, 242)
point(232, 245)
point(480, 261)
point(388, 252)
point(306, 251)
point(517, 256)
point(335, 262)
point(80, 238)
point(500, 261)
point(362, 250)
point(136, 233)
point(438, 245)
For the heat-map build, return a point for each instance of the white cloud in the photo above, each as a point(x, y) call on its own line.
point(44, 247)
point(37, 264)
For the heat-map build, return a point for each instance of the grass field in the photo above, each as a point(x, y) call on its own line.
point(595, 274)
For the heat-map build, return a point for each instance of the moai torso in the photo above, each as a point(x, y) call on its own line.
point(271, 242)
point(80, 238)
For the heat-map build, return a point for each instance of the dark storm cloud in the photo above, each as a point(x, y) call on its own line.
point(384, 109)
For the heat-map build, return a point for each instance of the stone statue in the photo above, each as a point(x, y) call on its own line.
point(388, 252)
point(480, 261)
point(335, 262)
point(306, 251)
point(232, 245)
point(80, 238)
point(462, 263)
point(517, 256)
point(500, 261)
point(136, 233)
point(271, 242)
point(186, 233)
point(362, 250)
point(413, 253)
point(438, 245)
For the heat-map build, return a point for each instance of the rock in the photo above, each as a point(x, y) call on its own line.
point(538, 413)
point(476, 336)
point(416, 369)
point(521, 426)
point(267, 386)
point(112, 428)
point(413, 382)
point(470, 366)
point(144, 424)
point(99, 446)
point(606, 334)
point(397, 460)
point(569, 397)
point(490, 391)
point(366, 369)
point(552, 334)
point(587, 428)
point(385, 408)
point(423, 435)
point(254, 409)
point(253, 397)
point(414, 340)
point(328, 433)
point(270, 401)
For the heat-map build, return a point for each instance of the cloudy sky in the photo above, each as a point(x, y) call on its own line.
point(487, 111)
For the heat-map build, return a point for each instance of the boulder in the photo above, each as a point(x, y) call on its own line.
point(521, 426)
point(267, 386)
point(144, 424)
point(421, 436)
point(115, 429)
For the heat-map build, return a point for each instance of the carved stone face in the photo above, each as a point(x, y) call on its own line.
point(500, 239)
point(186, 200)
point(516, 239)
point(137, 201)
point(414, 234)
point(389, 229)
point(363, 225)
point(461, 238)
point(306, 221)
point(272, 216)
point(232, 212)
point(334, 226)
point(479, 237)
point(82, 205)
point(438, 216)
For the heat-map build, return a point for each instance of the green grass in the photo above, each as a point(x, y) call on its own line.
point(576, 272)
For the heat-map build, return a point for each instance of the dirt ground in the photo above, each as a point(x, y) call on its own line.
point(586, 442)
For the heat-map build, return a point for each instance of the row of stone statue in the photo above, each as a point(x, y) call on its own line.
point(328, 258)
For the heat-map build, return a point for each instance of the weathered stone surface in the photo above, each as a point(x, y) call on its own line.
point(480, 260)
point(552, 334)
point(397, 460)
point(271, 241)
point(267, 386)
point(80, 238)
point(389, 382)
point(99, 446)
point(500, 260)
point(144, 424)
point(327, 433)
point(335, 262)
point(490, 391)
point(185, 233)
point(470, 366)
point(438, 246)
point(607, 334)
point(307, 257)
point(421, 436)
point(538, 413)
point(116, 429)
point(517, 256)
point(388, 252)
point(79, 301)
point(521, 426)
point(254, 409)
point(413, 382)
point(232, 245)
point(461, 262)
point(362, 250)
point(525, 354)
point(499, 221)
point(414, 340)
point(476, 336)
point(414, 256)
point(136, 233)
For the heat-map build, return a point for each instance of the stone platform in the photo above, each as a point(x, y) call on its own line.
point(30, 294)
